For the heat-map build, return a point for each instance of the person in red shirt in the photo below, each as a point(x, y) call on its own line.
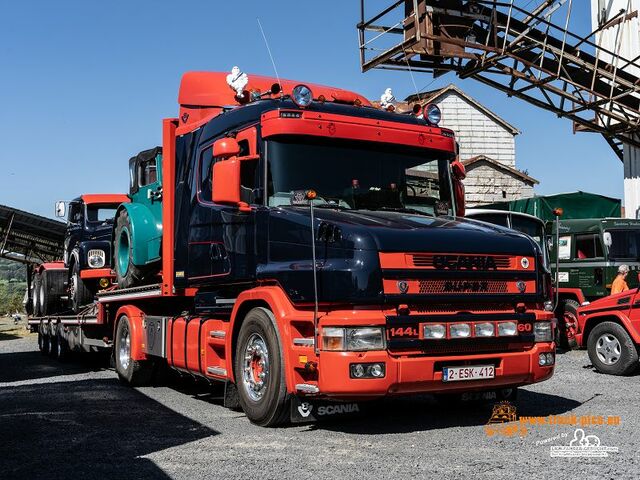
point(620, 284)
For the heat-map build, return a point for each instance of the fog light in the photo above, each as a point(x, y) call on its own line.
point(377, 370)
point(460, 330)
point(507, 329)
point(367, 370)
point(484, 329)
point(550, 359)
point(434, 331)
point(548, 306)
point(542, 359)
point(103, 282)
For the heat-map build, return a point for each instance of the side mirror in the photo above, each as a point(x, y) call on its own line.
point(606, 236)
point(61, 209)
point(226, 148)
point(458, 174)
point(226, 184)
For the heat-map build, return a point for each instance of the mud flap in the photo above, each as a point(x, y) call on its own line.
point(307, 410)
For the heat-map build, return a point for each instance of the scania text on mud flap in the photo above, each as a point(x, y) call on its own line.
point(300, 245)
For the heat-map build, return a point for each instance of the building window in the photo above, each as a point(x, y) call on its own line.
point(504, 194)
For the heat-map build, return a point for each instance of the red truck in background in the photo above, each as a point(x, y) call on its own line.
point(70, 284)
point(311, 247)
point(609, 329)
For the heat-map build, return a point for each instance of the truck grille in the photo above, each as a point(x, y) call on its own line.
point(462, 286)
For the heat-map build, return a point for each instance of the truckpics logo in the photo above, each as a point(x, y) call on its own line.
point(463, 262)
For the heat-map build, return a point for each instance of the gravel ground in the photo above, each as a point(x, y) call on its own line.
point(59, 420)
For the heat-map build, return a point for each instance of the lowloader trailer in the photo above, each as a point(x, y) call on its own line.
point(301, 246)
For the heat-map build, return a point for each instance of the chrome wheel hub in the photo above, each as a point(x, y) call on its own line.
point(124, 352)
point(255, 367)
point(608, 349)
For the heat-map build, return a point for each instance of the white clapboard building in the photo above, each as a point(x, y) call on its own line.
point(487, 147)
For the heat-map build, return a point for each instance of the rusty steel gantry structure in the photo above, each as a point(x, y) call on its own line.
point(515, 47)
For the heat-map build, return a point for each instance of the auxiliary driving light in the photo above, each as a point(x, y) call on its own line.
point(432, 113)
point(434, 331)
point(301, 95)
point(367, 370)
point(546, 359)
point(103, 282)
point(507, 329)
point(459, 330)
point(484, 329)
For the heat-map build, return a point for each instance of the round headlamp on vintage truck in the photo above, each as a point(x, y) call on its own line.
point(432, 114)
point(96, 258)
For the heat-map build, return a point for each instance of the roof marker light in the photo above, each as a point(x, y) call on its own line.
point(301, 95)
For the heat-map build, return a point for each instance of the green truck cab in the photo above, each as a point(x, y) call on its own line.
point(138, 226)
point(590, 252)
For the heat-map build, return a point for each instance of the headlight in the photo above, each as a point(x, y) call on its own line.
point(434, 331)
point(95, 258)
point(459, 330)
point(507, 329)
point(353, 339)
point(542, 331)
point(432, 114)
point(301, 95)
point(484, 329)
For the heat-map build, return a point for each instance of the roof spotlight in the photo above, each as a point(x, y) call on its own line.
point(301, 95)
point(432, 113)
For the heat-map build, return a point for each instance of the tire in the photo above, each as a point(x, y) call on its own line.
point(62, 347)
point(53, 343)
point(611, 349)
point(37, 311)
point(135, 373)
point(263, 398)
point(50, 294)
point(567, 314)
point(44, 343)
point(127, 274)
point(79, 294)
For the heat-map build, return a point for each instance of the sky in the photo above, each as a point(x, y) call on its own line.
point(84, 86)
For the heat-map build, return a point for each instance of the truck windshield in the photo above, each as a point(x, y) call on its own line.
point(358, 175)
point(101, 213)
point(625, 244)
point(533, 228)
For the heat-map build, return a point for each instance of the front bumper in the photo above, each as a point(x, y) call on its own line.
point(419, 374)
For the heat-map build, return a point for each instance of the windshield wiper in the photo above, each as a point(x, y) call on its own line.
point(404, 210)
point(331, 205)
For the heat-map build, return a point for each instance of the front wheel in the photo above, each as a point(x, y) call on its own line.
point(79, 294)
point(611, 349)
point(567, 325)
point(259, 370)
point(136, 373)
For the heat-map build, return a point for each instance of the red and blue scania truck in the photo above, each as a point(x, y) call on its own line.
point(301, 246)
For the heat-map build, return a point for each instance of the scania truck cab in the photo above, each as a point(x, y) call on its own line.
point(313, 249)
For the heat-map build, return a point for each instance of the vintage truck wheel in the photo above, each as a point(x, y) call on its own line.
point(567, 324)
point(135, 373)
point(259, 370)
point(611, 349)
point(79, 294)
point(37, 311)
point(50, 293)
point(127, 274)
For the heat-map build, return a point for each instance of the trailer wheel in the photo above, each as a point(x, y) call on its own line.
point(611, 349)
point(136, 373)
point(259, 370)
point(79, 294)
point(53, 342)
point(127, 274)
point(37, 311)
point(62, 347)
point(43, 341)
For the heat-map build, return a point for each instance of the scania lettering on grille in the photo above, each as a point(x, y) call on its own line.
point(466, 286)
point(464, 262)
